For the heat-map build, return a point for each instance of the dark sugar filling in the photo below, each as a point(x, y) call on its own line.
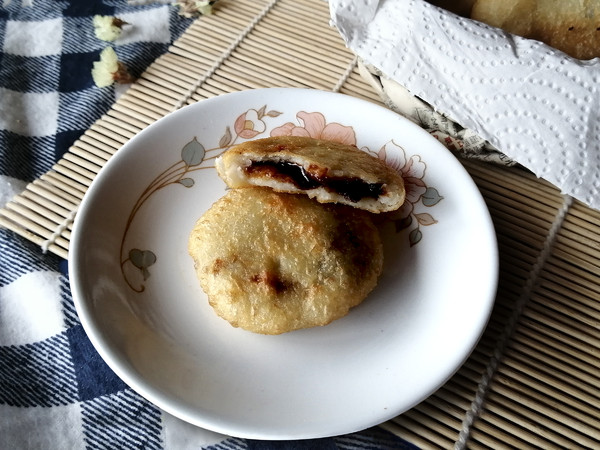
point(352, 188)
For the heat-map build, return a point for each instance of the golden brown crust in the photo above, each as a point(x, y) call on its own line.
point(567, 25)
point(342, 173)
point(272, 263)
point(460, 7)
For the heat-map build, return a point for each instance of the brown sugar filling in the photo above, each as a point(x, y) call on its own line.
point(352, 188)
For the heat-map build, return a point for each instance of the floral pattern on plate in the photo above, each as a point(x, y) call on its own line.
point(254, 123)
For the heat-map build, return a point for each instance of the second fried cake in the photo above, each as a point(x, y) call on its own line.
point(327, 171)
point(273, 262)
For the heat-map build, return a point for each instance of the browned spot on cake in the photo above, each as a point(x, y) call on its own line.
point(218, 266)
point(273, 281)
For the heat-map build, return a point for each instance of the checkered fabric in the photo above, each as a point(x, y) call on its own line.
point(55, 390)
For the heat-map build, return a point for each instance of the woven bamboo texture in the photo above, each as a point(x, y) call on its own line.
point(534, 379)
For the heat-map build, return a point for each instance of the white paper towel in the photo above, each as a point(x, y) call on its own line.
point(534, 103)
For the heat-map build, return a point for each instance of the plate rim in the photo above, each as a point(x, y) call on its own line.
point(134, 381)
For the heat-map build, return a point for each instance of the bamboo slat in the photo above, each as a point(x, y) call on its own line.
point(533, 381)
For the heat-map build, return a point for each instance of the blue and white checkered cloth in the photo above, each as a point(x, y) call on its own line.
point(55, 390)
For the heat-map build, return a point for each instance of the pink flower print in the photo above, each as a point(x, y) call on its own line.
point(249, 124)
point(412, 170)
point(315, 126)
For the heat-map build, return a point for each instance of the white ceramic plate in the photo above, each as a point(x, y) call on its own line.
point(138, 298)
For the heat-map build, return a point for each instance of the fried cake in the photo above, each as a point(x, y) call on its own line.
point(273, 262)
point(571, 26)
point(329, 172)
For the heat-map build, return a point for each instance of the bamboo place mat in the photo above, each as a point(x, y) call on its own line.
point(533, 381)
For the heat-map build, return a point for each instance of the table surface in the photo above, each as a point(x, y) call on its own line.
point(533, 380)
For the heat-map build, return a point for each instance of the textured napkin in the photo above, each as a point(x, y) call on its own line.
point(534, 103)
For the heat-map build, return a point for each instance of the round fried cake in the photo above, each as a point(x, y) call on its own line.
point(273, 262)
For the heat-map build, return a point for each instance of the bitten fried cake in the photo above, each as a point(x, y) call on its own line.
point(329, 172)
point(272, 263)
